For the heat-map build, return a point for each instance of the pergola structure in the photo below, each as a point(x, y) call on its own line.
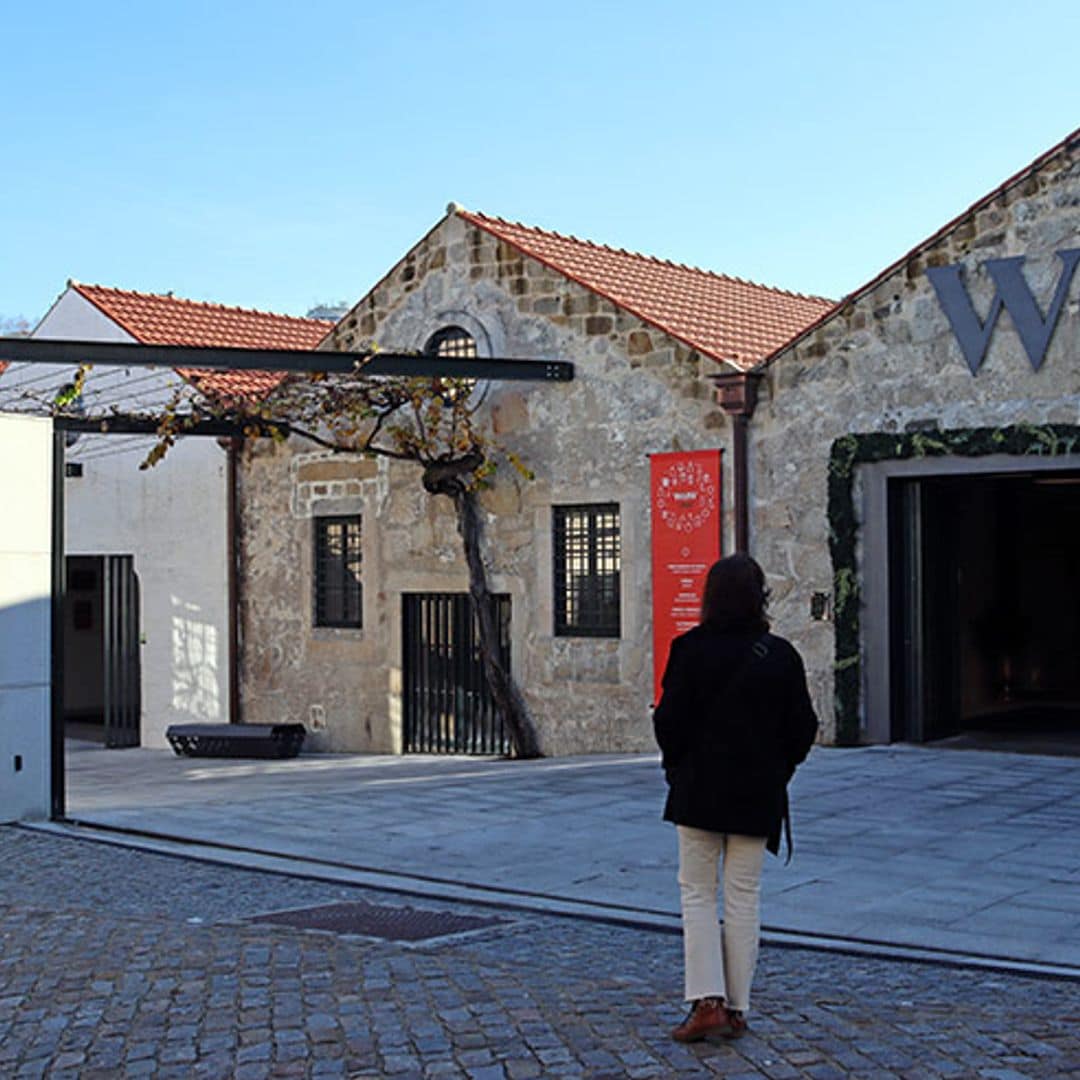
point(19, 350)
point(23, 350)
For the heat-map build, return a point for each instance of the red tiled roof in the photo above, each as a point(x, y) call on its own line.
point(154, 319)
point(725, 318)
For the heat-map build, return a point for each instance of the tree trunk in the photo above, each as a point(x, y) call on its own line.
point(504, 690)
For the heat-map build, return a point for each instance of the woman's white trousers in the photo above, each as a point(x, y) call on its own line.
point(720, 962)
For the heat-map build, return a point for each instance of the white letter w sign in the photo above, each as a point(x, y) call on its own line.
point(1012, 292)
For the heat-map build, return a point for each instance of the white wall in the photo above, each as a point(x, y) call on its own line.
point(172, 519)
point(25, 591)
point(74, 318)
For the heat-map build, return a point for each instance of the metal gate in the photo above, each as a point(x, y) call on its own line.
point(123, 678)
point(447, 705)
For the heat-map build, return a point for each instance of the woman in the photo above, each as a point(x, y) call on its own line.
point(733, 722)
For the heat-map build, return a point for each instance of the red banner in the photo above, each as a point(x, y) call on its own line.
point(685, 543)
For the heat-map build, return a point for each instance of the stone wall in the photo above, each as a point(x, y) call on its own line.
point(889, 362)
point(291, 670)
point(635, 392)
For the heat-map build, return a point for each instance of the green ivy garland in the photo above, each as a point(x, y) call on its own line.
point(1047, 440)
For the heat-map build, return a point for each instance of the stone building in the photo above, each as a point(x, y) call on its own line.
point(915, 462)
point(354, 576)
point(905, 464)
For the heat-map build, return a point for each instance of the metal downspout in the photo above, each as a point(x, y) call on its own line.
point(742, 510)
point(57, 781)
point(232, 545)
point(736, 393)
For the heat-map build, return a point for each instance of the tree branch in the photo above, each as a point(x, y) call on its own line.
point(341, 448)
point(446, 477)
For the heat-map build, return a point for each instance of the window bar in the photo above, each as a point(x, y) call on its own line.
point(438, 658)
point(453, 662)
point(431, 698)
point(413, 665)
point(485, 709)
point(465, 736)
point(416, 683)
point(406, 677)
point(423, 698)
point(504, 638)
point(476, 720)
point(427, 653)
point(459, 612)
point(443, 622)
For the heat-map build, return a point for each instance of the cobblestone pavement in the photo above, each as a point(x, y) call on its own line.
point(121, 963)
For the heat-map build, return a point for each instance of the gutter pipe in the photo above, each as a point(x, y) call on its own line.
point(736, 393)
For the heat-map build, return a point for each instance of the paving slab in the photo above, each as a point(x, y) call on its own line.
point(965, 850)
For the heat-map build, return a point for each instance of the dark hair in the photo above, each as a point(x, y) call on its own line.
point(735, 595)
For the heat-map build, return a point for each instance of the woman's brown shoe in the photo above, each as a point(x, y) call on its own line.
point(736, 1025)
point(706, 1017)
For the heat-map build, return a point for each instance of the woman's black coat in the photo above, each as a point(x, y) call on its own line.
point(729, 756)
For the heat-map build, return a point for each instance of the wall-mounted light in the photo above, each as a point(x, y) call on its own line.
point(820, 606)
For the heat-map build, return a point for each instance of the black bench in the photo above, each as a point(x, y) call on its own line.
point(236, 740)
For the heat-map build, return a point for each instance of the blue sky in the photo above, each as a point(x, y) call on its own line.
point(280, 155)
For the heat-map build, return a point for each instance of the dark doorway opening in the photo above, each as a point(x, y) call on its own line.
point(447, 706)
point(102, 684)
point(84, 649)
point(985, 610)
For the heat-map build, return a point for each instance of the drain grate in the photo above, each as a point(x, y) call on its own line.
point(379, 921)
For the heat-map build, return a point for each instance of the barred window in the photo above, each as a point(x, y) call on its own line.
point(451, 341)
point(338, 592)
point(588, 559)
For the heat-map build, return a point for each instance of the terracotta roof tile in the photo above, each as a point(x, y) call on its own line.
point(155, 319)
point(725, 318)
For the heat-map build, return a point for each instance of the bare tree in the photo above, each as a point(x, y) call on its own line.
point(15, 326)
point(436, 423)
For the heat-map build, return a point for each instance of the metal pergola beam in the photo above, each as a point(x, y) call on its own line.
point(124, 354)
point(123, 424)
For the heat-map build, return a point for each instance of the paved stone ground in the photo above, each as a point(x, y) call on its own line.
point(962, 850)
point(122, 963)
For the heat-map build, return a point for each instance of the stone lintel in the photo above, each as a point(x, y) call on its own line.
point(323, 471)
point(331, 507)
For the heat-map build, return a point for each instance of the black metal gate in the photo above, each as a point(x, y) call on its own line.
point(447, 704)
point(123, 679)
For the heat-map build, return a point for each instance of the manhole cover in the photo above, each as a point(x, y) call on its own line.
point(379, 921)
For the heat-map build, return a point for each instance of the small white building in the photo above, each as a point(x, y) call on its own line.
point(149, 630)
